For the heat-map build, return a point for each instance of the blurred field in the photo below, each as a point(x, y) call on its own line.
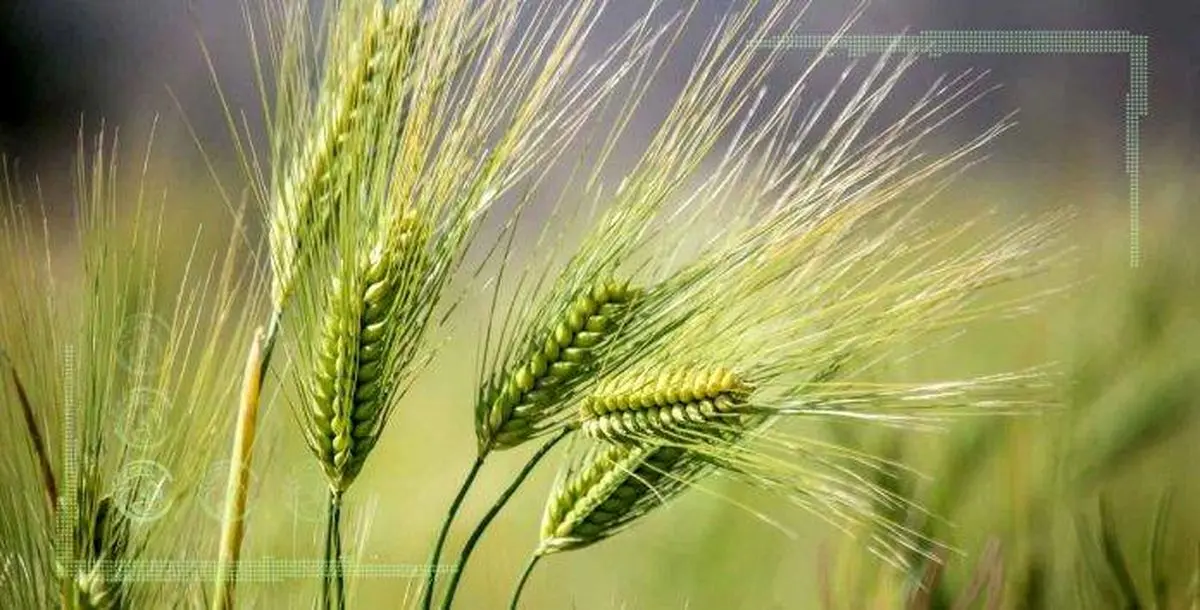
point(1029, 488)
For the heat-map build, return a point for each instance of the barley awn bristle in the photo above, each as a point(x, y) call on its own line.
point(306, 202)
point(661, 401)
point(552, 365)
point(351, 390)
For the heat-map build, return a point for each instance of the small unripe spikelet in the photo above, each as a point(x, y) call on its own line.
point(663, 402)
point(93, 592)
point(515, 408)
point(610, 488)
point(352, 387)
point(101, 544)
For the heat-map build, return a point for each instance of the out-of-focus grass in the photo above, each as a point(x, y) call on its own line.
point(1029, 487)
point(1126, 339)
point(1125, 437)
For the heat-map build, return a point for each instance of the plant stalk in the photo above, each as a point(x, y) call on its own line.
point(238, 486)
point(268, 344)
point(473, 540)
point(326, 561)
point(440, 542)
point(529, 565)
point(333, 590)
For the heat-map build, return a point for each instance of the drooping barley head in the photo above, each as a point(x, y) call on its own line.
point(356, 359)
point(663, 403)
point(791, 316)
point(607, 489)
point(628, 226)
point(567, 353)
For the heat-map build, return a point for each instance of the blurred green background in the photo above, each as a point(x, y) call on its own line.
point(1092, 506)
point(1019, 499)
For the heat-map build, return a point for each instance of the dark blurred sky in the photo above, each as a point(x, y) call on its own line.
point(67, 62)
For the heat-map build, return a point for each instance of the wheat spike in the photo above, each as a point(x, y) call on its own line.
point(611, 486)
point(515, 406)
point(354, 376)
point(356, 86)
point(662, 401)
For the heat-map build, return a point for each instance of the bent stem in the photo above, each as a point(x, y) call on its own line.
point(333, 590)
point(436, 555)
point(268, 344)
point(237, 488)
point(529, 565)
point(495, 510)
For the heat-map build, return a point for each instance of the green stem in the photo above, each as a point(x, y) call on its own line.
point(268, 344)
point(529, 565)
point(495, 510)
point(326, 561)
point(436, 555)
point(333, 590)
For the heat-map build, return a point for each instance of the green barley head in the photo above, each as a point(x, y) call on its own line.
point(117, 348)
point(483, 98)
point(542, 349)
point(368, 58)
point(796, 314)
point(606, 488)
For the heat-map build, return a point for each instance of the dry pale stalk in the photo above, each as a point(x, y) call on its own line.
point(232, 526)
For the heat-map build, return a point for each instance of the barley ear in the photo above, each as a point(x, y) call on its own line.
point(610, 488)
point(99, 582)
point(353, 378)
point(523, 405)
point(667, 403)
point(355, 84)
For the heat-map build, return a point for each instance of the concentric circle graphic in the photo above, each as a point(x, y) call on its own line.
point(213, 487)
point(142, 491)
point(142, 343)
point(305, 494)
point(143, 419)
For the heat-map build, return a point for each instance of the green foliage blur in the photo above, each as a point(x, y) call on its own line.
point(1093, 505)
